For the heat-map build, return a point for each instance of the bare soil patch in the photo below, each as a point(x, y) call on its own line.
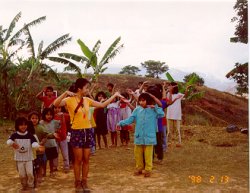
point(205, 163)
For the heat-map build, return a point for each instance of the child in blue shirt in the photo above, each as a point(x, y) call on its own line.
point(145, 115)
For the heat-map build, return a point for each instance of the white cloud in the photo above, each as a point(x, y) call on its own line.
point(187, 35)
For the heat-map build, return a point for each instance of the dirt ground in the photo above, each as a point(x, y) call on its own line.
point(211, 160)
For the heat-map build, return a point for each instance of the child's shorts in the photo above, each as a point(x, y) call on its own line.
point(51, 153)
point(82, 138)
point(40, 159)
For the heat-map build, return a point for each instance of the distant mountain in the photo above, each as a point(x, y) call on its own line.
point(210, 80)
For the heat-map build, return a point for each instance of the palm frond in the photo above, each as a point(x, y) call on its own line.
point(103, 69)
point(73, 68)
point(40, 49)
point(169, 77)
point(192, 80)
point(12, 25)
point(55, 45)
point(32, 23)
point(93, 62)
point(196, 95)
point(74, 57)
point(60, 60)
point(48, 71)
point(181, 87)
point(86, 51)
point(112, 55)
point(70, 65)
point(13, 53)
point(16, 42)
point(30, 43)
point(96, 47)
point(112, 50)
point(2, 32)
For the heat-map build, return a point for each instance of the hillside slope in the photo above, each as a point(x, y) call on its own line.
point(219, 108)
point(216, 108)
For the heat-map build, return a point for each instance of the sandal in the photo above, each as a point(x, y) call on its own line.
point(147, 174)
point(137, 172)
point(78, 186)
point(85, 187)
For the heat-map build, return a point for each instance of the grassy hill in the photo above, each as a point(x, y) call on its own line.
point(216, 108)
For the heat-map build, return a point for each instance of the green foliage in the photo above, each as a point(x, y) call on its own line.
point(17, 74)
point(241, 28)
point(169, 77)
point(197, 79)
point(10, 45)
point(154, 68)
point(191, 93)
point(63, 83)
point(130, 70)
point(240, 72)
point(240, 75)
point(89, 58)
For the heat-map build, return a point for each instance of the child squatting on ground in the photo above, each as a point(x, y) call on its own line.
point(22, 143)
point(145, 115)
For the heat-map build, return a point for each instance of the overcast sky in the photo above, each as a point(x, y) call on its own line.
point(191, 36)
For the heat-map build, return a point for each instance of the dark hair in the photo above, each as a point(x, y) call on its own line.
point(125, 95)
point(140, 82)
point(175, 89)
point(30, 127)
point(34, 113)
point(72, 87)
point(147, 97)
point(100, 93)
point(156, 91)
point(46, 111)
point(80, 83)
point(20, 121)
point(49, 88)
point(110, 84)
point(63, 109)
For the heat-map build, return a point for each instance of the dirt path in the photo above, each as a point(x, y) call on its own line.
point(111, 170)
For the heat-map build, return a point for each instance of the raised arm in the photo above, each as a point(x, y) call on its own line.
point(59, 100)
point(131, 93)
point(157, 101)
point(128, 103)
point(164, 91)
point(113, 89)
point(170, 101)
point(40, 94)
point(142, 86)
point(105, 103)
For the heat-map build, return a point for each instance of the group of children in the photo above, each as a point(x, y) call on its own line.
point(152, 109)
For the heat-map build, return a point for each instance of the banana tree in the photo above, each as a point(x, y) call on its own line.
point(10, 45)
point(89, 58)
point(192, 94)
point(36, 64)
